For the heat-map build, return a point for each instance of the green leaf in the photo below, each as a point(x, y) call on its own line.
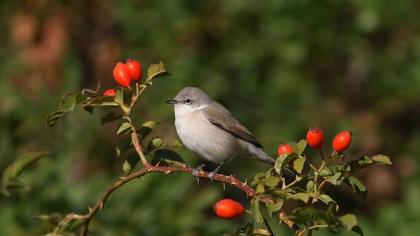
point(54, 116)
point(258, 220)
point(155, 143)
point(168, 156)
point(300, 146)
point(260, 188)
point(110, 117)
point(298, 164)
point(125, 126)
point(147, 127)
point(310, 186)
point(123, 145)
point(333, 179)
point(100, 101)
point(274, 207)
point(126, 167)
point(10, 174)
point(357, 185)
point(349, 221)
point(272, 181)
point(271, 224)
point(325, 172)
point(284, 160)
point(381, 159)
point(304, 197)
point(357, 230)
point(326, 199)
point(119, 97)
point(156, 70)
point(69, 102)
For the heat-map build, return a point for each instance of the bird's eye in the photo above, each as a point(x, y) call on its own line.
point(188, 101)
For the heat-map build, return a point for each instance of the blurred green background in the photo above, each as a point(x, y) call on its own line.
point(280, 66)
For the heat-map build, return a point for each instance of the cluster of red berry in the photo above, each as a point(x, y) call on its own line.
point(228, 208)
point(125, 73)
point(315, 138)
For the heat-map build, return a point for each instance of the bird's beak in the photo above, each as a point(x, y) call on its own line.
point(172, 101)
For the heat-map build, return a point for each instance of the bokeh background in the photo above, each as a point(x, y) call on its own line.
point(279, 66)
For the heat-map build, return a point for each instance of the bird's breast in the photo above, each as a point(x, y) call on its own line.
point(202, 137)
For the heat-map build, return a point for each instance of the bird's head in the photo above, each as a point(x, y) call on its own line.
point(189, 99)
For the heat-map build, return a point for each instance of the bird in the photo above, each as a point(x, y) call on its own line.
point(209, 129)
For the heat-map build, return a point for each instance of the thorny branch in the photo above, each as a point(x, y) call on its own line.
point(153, 169)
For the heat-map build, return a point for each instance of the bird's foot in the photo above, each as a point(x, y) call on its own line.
point(211, 175)
point(196, 171)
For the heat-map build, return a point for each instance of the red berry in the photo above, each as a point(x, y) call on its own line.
point(342, 141)
point(121, 74)
point(134, 69)
point(228, 208)
point(109, 92)
point(314, 137)
point(284, 149)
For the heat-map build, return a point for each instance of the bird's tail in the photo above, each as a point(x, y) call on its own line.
point(259, 154)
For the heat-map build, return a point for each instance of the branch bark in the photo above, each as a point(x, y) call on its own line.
point(159, 169)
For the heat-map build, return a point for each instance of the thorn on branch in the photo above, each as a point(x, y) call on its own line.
point(250, 192)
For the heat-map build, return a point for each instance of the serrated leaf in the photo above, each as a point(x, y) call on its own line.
point(110, 117)
point(326, 199)
point(155, 143)
point(271, 224)
point(279, 193)
point(11, 173)
point(284, 160)
point(298, 164)
point(123, 145)
point(357, 230)
point(69, 102)
point(119, 96)
point(274, 207)
point(304, 197)
point(156, 70)
point(349, 221)
point(118, 151)
point(126, 167)
point(310, 185)
point(333, 179)
point(166, 155)
point(147, 127)
point(99, 101)
point(125, 126)
point(272, 181)
point(175, 144)
point(325, 172)
point(300, 146)
point(357, 185)
point(54, 116)
point(381, 159)
point(256, 214)
point(53, 218)
point(260, 188)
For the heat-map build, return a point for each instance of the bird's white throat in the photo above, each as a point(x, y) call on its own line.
point(184, 109)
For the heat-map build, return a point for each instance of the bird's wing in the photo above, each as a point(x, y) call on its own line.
point(220, 117)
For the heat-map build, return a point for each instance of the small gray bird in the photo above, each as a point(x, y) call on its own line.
point(210, 130)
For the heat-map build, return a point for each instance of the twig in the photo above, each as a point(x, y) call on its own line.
point(161, 169)
point(136, 142)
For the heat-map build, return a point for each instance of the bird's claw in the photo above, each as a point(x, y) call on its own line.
point(196, 171)
point(212, 174)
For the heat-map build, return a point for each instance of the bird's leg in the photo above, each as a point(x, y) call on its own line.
point(211, 174)
point(196, 171)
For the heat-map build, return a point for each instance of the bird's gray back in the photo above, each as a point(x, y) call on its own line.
point(221, 117)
